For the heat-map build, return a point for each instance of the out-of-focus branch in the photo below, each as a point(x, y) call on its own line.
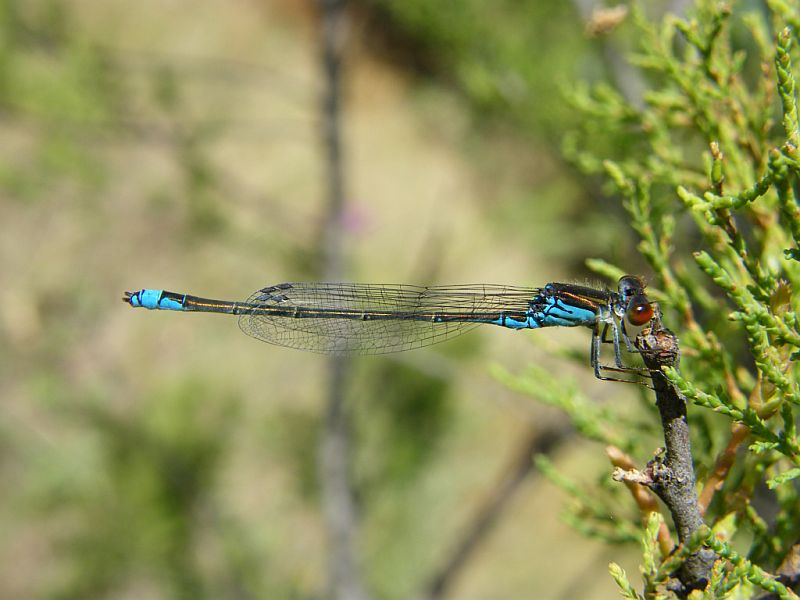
point(337, 497)
point(722, 467)
point(537, 442)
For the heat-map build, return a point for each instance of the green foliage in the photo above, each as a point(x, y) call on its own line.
point(141, 511)
point(720, 229)
point(650, 552)
point(492, 52)
point(400, 433)
point(619, 575)
point(44, 79)
point(593, 514)
point(70, 97)
point(742, 569)
point(592, 421)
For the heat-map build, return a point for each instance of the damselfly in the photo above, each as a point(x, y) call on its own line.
point(351, 318)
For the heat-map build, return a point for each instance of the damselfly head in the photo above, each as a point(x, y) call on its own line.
point(638, 308)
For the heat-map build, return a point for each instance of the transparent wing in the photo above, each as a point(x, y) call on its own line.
point(348, 318)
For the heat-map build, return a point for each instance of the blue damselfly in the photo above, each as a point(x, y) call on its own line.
point(351, 318)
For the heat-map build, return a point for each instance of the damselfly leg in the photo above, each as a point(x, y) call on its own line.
point(599, 335)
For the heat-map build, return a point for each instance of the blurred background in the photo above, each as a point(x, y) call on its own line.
point(181, 145)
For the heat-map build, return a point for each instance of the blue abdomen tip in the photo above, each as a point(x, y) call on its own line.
point(155, 300)
point(147, 298)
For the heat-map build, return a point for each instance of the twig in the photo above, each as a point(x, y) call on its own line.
point(671, 474)
point(644, 499)
point(338, 501)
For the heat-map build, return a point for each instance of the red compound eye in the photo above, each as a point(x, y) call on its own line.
point(640, 311)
